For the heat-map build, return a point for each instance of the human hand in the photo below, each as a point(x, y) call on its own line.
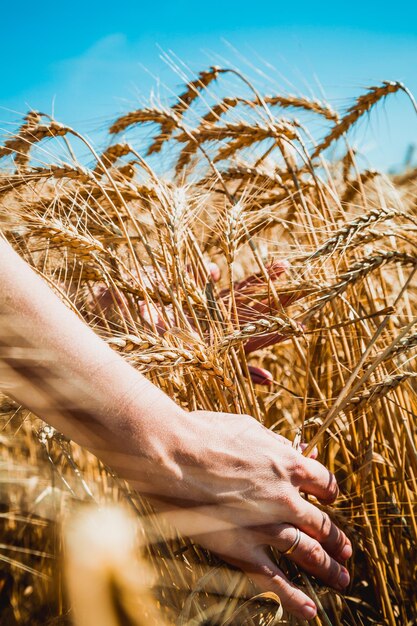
point(251, 306)
point(252, 302)
point(235, 488)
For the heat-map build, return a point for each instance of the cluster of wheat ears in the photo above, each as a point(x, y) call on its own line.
point(127, 238)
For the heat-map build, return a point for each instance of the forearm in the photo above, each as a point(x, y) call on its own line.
point(240, 482)
point(67, 375)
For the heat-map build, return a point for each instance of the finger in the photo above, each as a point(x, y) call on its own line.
point(250, 284)
point(288, 442)
point(270, 306)
point(151, 314)
point(276, 268)
point(214, 271)
point(317, 480)
point(260, 376)
point(268, 577)
point(263, 341)
point(308, 554)
point(274, 271)
point(250, 309)
point(286, 299)
point(316, 523)
point(313, 454)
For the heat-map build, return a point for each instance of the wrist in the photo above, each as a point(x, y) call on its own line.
point(153, 432)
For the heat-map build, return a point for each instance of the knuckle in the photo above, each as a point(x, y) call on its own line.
point(264, 570)
point(297, 469)
point(314, 555)
point(288, 502)
point(263, 573)
point(327, 525)
point(332, 488)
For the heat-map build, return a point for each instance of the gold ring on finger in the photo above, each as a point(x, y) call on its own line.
point(295, 543)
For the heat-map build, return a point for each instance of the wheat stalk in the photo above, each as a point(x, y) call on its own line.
point(362, 105)
point(350, 230)
point(128, 250)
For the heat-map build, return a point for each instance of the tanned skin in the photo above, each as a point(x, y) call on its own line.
point(223, 479)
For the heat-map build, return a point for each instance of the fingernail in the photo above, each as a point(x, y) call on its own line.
point(344, 578)
point(346, 553)
point(309, 611)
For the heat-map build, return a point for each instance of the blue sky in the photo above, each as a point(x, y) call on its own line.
point(88, 61)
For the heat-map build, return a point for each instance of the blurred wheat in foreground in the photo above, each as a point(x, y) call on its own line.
point(126, 237)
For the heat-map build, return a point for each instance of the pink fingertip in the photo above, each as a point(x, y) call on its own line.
point(346, 552)
point(344, 578)
point(309, 611)
point(313, 454)
point(214, 270)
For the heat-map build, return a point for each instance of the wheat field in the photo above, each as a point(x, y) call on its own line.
point(245, 261)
